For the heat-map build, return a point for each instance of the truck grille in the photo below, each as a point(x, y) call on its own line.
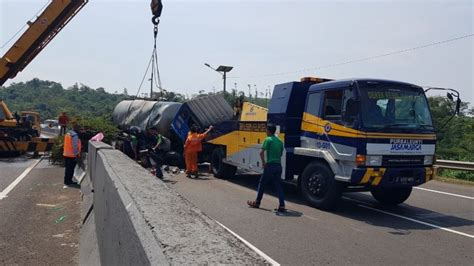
point(398, 160)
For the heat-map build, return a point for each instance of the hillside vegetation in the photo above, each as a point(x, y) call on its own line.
point(49, 98)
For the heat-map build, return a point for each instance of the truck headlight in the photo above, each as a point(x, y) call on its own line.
point(373, 160)
point(428, 160)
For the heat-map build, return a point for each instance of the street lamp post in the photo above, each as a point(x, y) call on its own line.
point(223, 71)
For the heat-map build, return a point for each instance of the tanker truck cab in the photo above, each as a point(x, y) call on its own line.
point(355, 135)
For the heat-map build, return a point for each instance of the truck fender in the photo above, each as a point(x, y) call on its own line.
point(336, 169)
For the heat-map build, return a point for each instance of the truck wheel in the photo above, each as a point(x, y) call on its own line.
point(319, 187)
point(219, 168)
point(173, 158)
point(391, 196)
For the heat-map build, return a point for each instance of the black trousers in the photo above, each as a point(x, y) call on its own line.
point(70, 164)
point(62, 130)
point(157, 156)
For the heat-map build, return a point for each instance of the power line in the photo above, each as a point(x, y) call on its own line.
point(366, 58)
point(24, 26)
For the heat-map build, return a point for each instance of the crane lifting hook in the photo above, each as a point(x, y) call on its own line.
point(156, 8)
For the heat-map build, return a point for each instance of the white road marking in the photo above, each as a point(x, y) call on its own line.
point(7, 190)
point(310, 217)
point(445, 193)
point(259, 252)
point(368, 206)
point(46, 205)
point(416, 221)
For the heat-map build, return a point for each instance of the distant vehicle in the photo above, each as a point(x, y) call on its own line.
point(34, 120)
point(20, 133)
point(50, 123)
point(50, 127)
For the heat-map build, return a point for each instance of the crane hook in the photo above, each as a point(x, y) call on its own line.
point(156, 8)
point(155, 20)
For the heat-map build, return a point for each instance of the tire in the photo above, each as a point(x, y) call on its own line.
point(219, 168)
point(391, 196)
point(319, 187)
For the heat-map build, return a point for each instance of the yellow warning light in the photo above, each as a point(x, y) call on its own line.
point(314, 79)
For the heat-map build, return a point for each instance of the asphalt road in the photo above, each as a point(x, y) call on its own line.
point(434, 227)
point(431, 228)
point(39, 220)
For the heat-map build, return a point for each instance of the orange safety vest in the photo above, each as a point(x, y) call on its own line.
point(69, 145)
point(193, 142)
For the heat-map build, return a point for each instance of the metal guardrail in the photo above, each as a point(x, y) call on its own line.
point(455, 165)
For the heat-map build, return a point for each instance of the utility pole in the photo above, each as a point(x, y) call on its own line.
point(223, 71)
point(267, 91)
point(256, 93)
point(224, 78)
point(250, 94)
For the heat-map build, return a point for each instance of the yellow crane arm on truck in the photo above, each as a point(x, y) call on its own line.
point(39, 33)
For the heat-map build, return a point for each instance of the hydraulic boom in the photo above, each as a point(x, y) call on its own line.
point(39, 33)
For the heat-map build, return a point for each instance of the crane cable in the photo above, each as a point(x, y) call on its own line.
point(156, 7)
point(155, 72)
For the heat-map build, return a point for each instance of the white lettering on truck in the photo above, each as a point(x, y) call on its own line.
point(405, 144)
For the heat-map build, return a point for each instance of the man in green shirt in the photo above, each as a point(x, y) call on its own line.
point(272, 169)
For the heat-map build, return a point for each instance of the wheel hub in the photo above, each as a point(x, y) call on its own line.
point(317, 185)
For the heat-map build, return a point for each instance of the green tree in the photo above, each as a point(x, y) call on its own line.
point(456, 140)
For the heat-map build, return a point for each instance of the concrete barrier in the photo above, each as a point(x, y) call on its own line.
point(141, 221)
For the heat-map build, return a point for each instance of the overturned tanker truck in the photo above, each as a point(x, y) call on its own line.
point(172, 120)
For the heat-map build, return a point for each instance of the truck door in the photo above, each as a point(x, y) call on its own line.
point(311, 119)
point(340, 120)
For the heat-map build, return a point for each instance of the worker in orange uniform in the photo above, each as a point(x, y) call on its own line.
point(72, 152)
point(192, 147)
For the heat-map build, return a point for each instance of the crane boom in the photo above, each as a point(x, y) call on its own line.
point(39, 33)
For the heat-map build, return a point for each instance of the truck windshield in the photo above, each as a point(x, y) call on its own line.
point(394, 106)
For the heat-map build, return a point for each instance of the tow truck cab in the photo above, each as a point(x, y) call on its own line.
point(357, 134)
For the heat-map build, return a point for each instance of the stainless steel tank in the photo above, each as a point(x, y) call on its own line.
point(145, 114)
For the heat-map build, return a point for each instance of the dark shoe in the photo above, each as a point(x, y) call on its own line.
point(281, 209)
point(72, 185)
point(196, 175)
point(253, 204)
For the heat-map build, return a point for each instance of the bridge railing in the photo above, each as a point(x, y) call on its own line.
point(455, 165)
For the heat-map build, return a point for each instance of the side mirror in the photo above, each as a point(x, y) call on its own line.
point(458, 105)
point(450, 96)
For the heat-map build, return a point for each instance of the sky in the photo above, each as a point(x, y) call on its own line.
point(109, 43)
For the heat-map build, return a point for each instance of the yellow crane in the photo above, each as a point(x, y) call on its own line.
point(39, 33)
point(15, 136)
